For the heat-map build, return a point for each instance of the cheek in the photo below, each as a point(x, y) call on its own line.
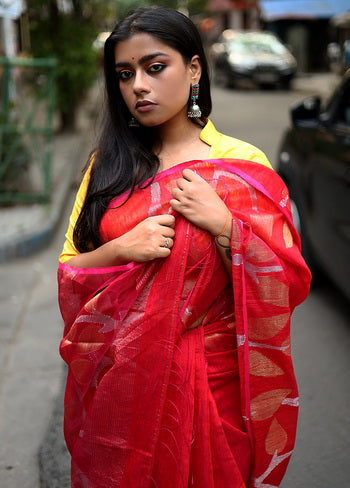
point(177, 91)
point(176, 83)
point(125, 93)
point(182, 95)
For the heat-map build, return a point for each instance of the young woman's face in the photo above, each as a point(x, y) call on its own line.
point(154, 80)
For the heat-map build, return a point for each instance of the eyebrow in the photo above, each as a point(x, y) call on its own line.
point(142, 60)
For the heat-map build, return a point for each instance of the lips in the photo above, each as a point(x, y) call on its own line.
point(144, 105)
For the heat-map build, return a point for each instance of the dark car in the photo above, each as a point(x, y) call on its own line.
point(314, 161)
point(255, 56)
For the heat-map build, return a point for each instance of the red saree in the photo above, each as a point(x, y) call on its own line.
point(153, 403)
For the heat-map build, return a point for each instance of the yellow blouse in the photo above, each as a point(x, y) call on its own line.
point(221, 146)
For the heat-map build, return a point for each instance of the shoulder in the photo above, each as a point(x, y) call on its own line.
point(237, 149)
point(86, 178)
point(223, 146)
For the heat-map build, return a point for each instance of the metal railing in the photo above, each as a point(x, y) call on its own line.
point(27, 91)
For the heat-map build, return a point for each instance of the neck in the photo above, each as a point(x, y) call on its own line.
point(177, 132)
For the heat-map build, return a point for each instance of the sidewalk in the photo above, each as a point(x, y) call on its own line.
point(26, 229)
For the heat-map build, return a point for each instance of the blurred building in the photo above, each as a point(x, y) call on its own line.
point(341, 25)
point(305, 25)
point(235, 14)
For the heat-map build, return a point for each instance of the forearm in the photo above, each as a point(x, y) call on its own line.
point(108, 254)
point(223, 244)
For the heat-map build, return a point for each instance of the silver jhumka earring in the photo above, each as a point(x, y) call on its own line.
point(133, 122)
point(194, 110)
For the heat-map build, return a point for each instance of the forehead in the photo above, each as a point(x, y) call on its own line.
point(139, 45)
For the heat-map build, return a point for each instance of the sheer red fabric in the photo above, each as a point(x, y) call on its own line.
point(179, 375)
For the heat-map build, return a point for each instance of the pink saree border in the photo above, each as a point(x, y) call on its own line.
point(220, 162)
point(101, 270)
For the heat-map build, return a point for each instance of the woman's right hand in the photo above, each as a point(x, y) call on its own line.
point(150, 239)
point(144, 242)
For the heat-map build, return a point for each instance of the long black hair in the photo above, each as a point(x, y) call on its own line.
point(124, 156)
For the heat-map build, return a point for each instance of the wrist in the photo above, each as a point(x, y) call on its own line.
point(118, 251)
point(224, 226)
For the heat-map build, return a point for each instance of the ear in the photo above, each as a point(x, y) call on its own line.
point(195, 69)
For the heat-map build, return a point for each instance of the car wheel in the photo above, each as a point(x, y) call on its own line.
point(286, 84)
point(267, 86)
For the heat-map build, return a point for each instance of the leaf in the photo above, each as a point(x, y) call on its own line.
point(287, 236)
point(260, 365)
point(258, 251)
point(273, 291)
point(276, 438)
point(263, 328)
point(266, 404)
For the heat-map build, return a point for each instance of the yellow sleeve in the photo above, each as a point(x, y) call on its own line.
point(69, 249)
point(250, 153)
point(229, 147)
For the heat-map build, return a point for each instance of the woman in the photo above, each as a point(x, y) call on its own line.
point(177, 281)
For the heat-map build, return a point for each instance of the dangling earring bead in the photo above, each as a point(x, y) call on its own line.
point(133, 122)
point(194, 110)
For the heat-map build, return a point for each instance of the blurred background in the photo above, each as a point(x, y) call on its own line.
point(281, 81)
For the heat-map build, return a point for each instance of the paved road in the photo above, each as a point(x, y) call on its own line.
point(31, 327)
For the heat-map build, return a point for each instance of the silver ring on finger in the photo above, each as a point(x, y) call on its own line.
point(167, 242)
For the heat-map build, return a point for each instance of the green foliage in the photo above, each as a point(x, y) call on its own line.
point(71, 45)
point(68, 36)
point(197, 7)
point(14, 156)
point(124, 7)
point(194, 7)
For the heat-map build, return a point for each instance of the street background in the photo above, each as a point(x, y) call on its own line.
point(32, 450)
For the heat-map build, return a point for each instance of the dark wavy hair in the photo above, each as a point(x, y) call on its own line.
point(124, 156)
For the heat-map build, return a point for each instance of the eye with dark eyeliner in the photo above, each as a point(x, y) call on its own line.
point(124, 75)
point(156, 68)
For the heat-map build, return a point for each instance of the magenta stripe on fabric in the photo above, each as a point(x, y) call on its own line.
point(221, 162)
point(253, 182)
point(109, 269)
point(246, 348)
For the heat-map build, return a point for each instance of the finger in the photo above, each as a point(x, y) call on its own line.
point(168, 232)
point(190, 175)
point(182, 183)
point(167, 243)
point(163, 252)
point(165, 219)
point(177, 193)
point(175, 205)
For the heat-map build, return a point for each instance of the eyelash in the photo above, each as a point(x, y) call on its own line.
point(159, 65)
point(121, 74)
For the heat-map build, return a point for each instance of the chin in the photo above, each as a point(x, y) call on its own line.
point(151, 123)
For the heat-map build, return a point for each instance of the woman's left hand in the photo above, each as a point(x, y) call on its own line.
point(196, 200)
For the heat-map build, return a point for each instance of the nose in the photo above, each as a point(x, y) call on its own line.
point(140, 82)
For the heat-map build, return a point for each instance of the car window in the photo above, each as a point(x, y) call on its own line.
point(338, 106)
point(256, 45)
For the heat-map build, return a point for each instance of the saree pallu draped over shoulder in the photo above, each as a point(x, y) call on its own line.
point(180, 376)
